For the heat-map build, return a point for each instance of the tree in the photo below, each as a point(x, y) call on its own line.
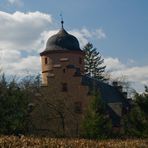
point(14, 99)
point(136, 122)
point(96, 123)
point(13, 107)
point(126, 85)
point(53, 113)
point(142, 100)
point(93, 62)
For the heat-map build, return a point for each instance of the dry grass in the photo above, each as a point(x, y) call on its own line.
point(32, 142)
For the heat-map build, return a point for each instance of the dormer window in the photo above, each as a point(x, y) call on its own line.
point(46, 60)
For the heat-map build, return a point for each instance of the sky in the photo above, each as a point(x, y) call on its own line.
point(117, 28)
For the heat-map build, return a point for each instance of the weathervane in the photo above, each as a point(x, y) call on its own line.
point(62, 22)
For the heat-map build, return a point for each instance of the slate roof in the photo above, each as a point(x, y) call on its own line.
point(110, 95)
point(62, 41)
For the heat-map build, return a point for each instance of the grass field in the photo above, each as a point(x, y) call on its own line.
point(32, 142)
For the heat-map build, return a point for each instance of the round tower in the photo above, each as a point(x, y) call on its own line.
point(62, 51)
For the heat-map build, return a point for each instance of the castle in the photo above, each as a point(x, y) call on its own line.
point(65, 92)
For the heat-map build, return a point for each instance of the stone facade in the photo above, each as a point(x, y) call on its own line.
point(54, 64)
point(62, 100)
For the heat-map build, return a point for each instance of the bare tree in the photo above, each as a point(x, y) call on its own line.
point(55, 113)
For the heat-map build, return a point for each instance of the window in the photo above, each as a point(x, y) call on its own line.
point(64, 87)
point(46, 60)
point(80, 60)
point(78, 107)
point(64, 70)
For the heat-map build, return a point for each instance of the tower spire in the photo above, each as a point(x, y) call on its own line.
point(62, 22)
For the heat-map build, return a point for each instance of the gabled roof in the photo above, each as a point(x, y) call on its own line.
point(110, 95)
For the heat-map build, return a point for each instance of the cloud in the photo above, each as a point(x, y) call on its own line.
point(29, 31)
point(15, 2)
point(13, 63)
point(99, 33)
point(84, 35)
point(137, 75)
point(30, 64)
point(9, 56)
point(21, 31)
point(113, 64)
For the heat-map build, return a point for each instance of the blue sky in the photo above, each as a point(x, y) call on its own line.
point(117, 28)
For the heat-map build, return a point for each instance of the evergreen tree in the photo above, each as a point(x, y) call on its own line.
point(13, 107)
point(136, 122)
point(93, 62)
point(96, 123)
point(14, 99)
point(142, 100)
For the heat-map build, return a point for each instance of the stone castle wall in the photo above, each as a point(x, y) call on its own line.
point(60, 60)
point(63, 100)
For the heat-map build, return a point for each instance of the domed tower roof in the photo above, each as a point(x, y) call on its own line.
point(62, 41)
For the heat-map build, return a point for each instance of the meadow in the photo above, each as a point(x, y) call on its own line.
point(34, 142)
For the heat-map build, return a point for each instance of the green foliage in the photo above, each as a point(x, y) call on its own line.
point(12, 107)
point(142, 100)
point(14, 99)
point(93, 62)
point(136, 122)
point(96, 124)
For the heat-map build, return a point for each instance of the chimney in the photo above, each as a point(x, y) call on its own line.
point(115, 83)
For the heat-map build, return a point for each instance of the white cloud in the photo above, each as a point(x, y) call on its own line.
point(99, 33)
point(9, 56)
point(15, 64)
point(84, 35)
point(15, 2)
point(30, 31)
point(21, 31)
point(113, 64)
point(30, 64)
point(85, 32)
point(137, 75)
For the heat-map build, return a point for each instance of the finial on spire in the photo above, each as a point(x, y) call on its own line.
point(62, 22)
